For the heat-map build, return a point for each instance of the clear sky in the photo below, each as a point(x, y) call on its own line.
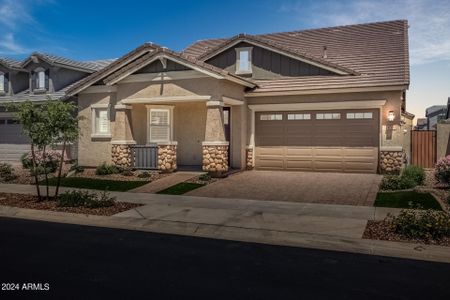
point(88, 30)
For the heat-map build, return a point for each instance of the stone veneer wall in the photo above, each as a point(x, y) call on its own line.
point(167, 158)
point(121, 155)
point(215, 158)
point(392, 161)
point(249, 158)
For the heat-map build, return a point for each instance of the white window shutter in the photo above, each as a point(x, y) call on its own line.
point(159, 125)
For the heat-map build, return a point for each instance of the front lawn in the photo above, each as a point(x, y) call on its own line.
point(180, 188)
point(97, 184)
point(407, 199)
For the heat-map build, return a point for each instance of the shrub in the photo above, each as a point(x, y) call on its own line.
point(144, 174)
point(75, 167)
point(442, 170)
point(85, 199)
point(396, 182)
point(49, 161)
point(6, 172)
point(416, 173)
point(204, 177)
point(105, 169)
point(127, 172)
point(422, 224)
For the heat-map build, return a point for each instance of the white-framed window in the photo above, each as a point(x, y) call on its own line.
point(2, 82)
point(160, 124)
point(39, 78)
point(244, 60)
point(271, 117)
point(299, 117)
point(360, 115)
point(101, 120)
point(328, 116)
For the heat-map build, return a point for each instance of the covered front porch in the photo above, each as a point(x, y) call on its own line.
point(166, 133)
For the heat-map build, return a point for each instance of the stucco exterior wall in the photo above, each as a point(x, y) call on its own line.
point(238, 136)
point(407, 128)
point(93, 151)
point(443, 140)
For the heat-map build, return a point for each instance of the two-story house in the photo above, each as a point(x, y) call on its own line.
point(37, 78)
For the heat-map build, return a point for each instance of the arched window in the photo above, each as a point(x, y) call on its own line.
point(40, 78)
point(2, 82)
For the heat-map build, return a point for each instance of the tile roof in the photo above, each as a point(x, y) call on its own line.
point(10, 63)
point(87, 66)
point(377, 51)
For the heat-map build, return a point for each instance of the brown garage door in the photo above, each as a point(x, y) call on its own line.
point(335, 141)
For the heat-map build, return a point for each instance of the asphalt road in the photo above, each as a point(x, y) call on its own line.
point(90, 262)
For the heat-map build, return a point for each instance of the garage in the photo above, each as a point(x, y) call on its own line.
point(323, 141)
point(13, 143)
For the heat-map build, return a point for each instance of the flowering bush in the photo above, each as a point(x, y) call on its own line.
point(49, 161)
point(442, 170)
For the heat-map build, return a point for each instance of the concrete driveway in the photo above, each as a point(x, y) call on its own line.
point(308, 187)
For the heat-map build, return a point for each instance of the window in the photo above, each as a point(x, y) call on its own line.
point(299, 116)
point(100, 121)
point(2, 82)
point(271, 117)
point(243, 60)
point(160, 127)
point(39, 78)
point(328, 116)
point(360, 115)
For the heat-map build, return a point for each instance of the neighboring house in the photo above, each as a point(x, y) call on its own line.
point(422, 124)
point(434, 115)
point(330, 99)
point(447, 115)
point(38, 78)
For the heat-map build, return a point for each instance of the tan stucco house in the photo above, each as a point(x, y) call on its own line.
point(330, 99)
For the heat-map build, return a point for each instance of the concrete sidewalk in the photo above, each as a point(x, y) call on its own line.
point(329, 227)
point(166, 182)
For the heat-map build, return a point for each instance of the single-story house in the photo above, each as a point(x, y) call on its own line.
point(330, 99)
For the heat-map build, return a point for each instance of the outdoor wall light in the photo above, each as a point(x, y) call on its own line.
point(391, 116)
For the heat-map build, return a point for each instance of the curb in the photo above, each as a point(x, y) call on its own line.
point(262, 236)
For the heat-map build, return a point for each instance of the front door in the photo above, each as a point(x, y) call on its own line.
point(227, 128)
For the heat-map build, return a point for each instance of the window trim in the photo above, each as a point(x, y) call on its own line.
point(238, 59)
point(168, 108)
point(94, 109)
point(302, 119)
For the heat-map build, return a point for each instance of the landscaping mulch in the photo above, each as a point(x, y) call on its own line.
point(29, 201)
point(153, 175)
point(383, 230)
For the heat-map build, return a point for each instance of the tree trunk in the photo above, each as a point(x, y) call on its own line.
point(36, 178)
point(44, 156)
point(60, 169)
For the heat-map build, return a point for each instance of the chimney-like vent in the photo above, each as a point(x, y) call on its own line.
point(325, 52)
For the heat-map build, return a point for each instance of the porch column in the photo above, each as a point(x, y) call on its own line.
point(215, 146)
point(122, 137)
point(167, 157)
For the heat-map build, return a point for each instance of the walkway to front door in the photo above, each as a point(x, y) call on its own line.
point(308, 187)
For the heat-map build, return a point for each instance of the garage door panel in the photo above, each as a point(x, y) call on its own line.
point(299, 165)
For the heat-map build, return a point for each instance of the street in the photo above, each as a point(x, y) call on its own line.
point(91, 262)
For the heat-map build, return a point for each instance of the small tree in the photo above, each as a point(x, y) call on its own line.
point(34, 125)
point(47, 125)
point(63, 128)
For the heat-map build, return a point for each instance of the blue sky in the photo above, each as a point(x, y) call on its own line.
point(88, 30)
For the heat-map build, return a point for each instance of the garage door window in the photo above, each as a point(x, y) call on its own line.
point(360, 115)
point(299, 116)
point(328, 116)
point(271, 117)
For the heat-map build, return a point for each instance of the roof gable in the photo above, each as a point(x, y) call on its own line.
point(283, 50)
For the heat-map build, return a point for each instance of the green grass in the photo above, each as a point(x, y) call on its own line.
point(180, 188)
point(97, 184)
point(408, 199)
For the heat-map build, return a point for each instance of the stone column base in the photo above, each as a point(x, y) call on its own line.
point(391, 162)
point(249, 158)
point(121, 155)
point(167, 157)
point(215, 158)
